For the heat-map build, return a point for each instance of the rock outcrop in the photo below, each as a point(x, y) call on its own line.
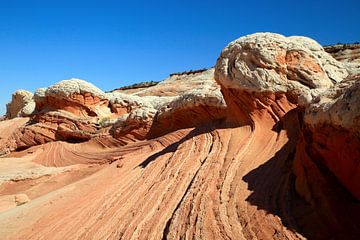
point(75, 111)
point(337, 106)
point(193, 108)
point(21, 105)
point(348, 53)
point(179, 84)
point(75, 96)
point(8, 128)
point(153, 116)
point(272, 62)
point(68, 110)
point(122, 103)
point(263, 146)
point(254, 78)
point(331, 136)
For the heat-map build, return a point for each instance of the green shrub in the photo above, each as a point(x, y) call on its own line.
point(104, 121)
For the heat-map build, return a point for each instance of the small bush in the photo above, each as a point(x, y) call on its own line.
point(138, 85)
point(189, 72)
point(104, 121)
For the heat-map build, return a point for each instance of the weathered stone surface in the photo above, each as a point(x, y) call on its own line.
point(152, 113)
point(75, 96)
point(271, 62)
point(348, 53)
point(40, 98)
point(66, 89)
point(331, 134)
point(124, 103)
point(7, 129)
point(337, 106)
point(179, 84)
point(186, 159)
point(53, 126)
point(134, 125)
point(205, 96)
point(263, 77)
point(21, 105)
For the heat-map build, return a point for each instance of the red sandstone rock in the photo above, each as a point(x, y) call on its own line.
point(183, 159)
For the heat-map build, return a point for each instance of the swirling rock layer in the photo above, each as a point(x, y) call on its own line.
point(266, 148)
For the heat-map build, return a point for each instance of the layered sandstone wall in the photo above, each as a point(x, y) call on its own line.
point(263, 146)
point(345, 52)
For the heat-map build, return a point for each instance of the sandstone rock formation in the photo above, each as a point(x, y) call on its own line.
point(179, 84)
point(263, 146)
point(331, 135)
point(74, 111)
point(7, 129)
point(345, 52)
point(21, 105)
point(349, 54)
point(272, 62)
point(76, 96)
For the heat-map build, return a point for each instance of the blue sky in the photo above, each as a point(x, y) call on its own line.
point(115, 43)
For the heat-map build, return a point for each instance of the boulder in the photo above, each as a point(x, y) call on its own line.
point(21, 199)
point(8, 202)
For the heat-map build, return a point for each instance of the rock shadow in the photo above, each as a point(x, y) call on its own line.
point(273, 190)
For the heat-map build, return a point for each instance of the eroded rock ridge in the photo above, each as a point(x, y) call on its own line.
point(265, 145)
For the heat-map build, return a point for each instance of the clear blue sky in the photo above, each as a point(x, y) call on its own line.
point(115, 43)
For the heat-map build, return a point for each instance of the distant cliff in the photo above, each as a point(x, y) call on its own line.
point(345, 52)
